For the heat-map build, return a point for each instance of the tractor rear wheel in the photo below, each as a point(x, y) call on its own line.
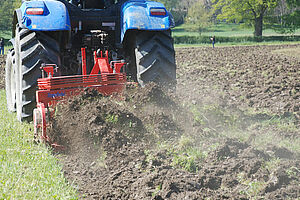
point(153, 57)
point(32, 49)
point(10, 85)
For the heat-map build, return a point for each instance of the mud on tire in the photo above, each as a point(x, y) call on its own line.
point(154, 57)
point(10, 85)
point(32, 49)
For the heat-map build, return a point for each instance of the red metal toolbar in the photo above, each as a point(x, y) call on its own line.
point(105, 77)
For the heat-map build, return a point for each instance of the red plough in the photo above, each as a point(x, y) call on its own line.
point(105, 77)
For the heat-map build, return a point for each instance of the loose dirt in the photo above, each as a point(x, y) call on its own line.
point(230, 131)
point(184, 145)
point(254, 76)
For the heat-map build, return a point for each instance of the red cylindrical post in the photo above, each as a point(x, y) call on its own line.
point(83, 56)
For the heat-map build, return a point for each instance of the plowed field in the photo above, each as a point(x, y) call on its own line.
point(230, 131)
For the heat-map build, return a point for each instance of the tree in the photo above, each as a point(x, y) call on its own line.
point(293, 2)
point(176, 9)
point(251, 12)
point(199, 16)
point(285, 18)
point(179, 8)
point(292, 20)
point(7, 12)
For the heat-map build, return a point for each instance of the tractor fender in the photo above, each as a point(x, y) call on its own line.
point(136, 15)
point(54, 17)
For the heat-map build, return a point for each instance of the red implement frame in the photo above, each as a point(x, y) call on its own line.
point(105, 78)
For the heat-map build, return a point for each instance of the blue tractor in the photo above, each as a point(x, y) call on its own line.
point(54, 31)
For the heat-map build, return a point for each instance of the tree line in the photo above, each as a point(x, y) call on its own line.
point(281, 15)
point(7, 8)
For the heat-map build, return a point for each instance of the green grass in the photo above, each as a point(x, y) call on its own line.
point(7, 48)
point(27, 170)
point(188, 159)
point(249, 187)
point(5, 34)
point(238, 44)
point(223, 29)
point(229, 35)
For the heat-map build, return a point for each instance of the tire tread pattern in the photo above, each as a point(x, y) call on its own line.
point(35, 48)
point(155, 57)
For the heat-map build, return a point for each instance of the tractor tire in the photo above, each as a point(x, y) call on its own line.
point(10, 85)
point(154, 57)
point(32, 49)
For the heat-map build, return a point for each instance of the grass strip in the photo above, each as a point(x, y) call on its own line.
point(27, 170)
point(235, 44)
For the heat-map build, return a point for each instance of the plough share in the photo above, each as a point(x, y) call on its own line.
point(105, 77)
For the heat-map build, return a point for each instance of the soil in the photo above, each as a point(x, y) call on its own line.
point(2, 71)
point(206, 140)
point(250, 76)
